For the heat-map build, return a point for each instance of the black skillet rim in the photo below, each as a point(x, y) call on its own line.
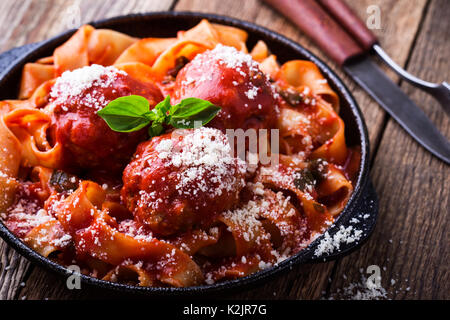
point(305, 256)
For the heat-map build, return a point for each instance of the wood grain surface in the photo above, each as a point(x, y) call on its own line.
point(413, 187)
point(410, 242)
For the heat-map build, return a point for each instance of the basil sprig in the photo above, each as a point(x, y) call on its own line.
point(132, 113)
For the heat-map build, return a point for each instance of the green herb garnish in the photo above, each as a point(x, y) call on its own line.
point(303, 179)
point(290, 95)
point(132, 113)
point(319, 207)
point(180, 62)
point(63, 181)
point(314, 173)
point(319, 169)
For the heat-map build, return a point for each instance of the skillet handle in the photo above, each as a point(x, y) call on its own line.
point(309, 16)
point(343, 14)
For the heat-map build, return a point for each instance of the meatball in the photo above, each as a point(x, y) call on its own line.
point(86, 140)
point(182, 180)
point(232, 80)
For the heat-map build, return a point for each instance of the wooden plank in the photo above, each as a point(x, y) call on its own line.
point(411, 240)
point(13, 267)
point(396, 35)
point(31, 21)
point(35, 20)
point(6, 8)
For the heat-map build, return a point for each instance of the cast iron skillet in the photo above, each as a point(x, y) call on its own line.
point(362, 205)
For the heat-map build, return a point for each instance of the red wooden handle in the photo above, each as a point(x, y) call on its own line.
point(309, 16)
point(342, 13)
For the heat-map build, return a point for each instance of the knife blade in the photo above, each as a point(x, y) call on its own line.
point(311, 18)
point(369, 76)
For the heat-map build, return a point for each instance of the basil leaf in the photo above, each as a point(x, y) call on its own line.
point(126, 114)
point(155, 129)
point(191, 110)
point(132, 113)
point(151, 115)
point(128, 105)
point(125, 123)
point(164, 106)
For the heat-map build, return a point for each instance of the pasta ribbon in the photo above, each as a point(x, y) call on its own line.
point(96, 235)
point(30, 128)
point(10, 155)
point(301, 73)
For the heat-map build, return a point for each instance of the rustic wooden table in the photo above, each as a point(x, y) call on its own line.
point(410, 243)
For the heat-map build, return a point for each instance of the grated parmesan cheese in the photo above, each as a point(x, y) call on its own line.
point(252, 92)
point(206, 152)
point(363, 290)
point(28, 214)
point(72, 84)
point(233, 58)
point(329, 244)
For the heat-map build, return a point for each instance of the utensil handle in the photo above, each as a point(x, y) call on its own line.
point(309, 16)
point(343, 14)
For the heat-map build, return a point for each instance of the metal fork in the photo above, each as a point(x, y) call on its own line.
point(345, 16)
point(440, 91)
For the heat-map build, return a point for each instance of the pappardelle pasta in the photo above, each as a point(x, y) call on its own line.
point(180, 208)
